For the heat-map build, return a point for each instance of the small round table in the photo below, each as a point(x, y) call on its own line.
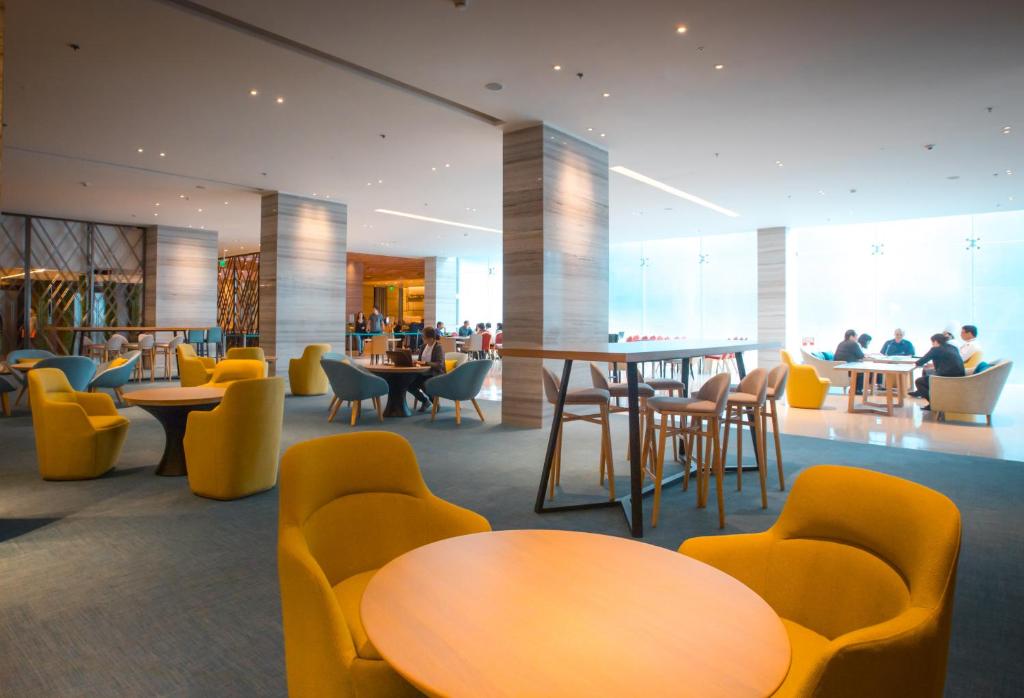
point(171, 407)
point(399, 379)
point(563, 613)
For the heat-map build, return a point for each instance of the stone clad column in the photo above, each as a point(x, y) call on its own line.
point(771, 292)
point(181, 277)
point(439, 284)
point(555, 258)
point(303, 249)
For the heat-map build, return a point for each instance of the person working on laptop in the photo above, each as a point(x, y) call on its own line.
point(431, 355)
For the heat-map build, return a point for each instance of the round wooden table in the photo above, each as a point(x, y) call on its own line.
point(399, 379)
point(563, 613)
point(171, 407)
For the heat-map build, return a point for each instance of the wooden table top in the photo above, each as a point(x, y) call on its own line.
point(882, 358)
point(876, 367)
point(200, 395)
point(632, 352)
point(130, 329)
point(563, 613)
point(378, 368)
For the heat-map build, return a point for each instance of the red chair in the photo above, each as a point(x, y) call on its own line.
point(485, 345)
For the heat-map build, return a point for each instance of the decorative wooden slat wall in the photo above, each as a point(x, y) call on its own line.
point(238, 294)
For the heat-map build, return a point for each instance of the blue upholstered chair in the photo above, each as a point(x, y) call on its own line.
point(115, 375)
point(353, 384)
point(463, 383)
point(215, 336)
point(6, 386)
point(20, 381)
point(334, 356)
point(78, 369)
point(197, 338)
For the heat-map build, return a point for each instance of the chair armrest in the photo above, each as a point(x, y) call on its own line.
point(69, 418)
point(451, 520)
point(207, 361)
point(97, 404)
point(743, 556)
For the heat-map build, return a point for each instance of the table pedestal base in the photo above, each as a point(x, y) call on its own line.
point(174, 418)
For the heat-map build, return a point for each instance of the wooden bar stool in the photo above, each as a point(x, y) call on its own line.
point(777, 378)
point(583, 396)
point(621, 390)
point(748, 402)
point(700, 422)
point(168, 350)
point(377, 348)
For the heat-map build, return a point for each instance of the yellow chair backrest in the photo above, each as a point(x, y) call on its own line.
point(360, 501)
point(254, 353)
point(314, 352)
point(786, 358)
point(867, 546)
point(188, 351)
point(49, 385)
point(974, 360)
point(230, 370)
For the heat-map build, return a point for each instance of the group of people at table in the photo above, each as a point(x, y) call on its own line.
point(944, 357)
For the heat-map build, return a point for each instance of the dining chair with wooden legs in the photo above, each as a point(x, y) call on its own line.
point(746, 406)
point(377, 348)
point(146, 346)
point(700, 421)
point(595, 397)
point(777, 378)
point(168, 351)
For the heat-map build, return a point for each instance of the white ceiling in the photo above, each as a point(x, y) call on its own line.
point(845, 95)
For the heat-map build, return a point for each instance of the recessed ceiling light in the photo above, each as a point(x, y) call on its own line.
point(139, 150)
point(680, 29)
point(1006, 129)
point(602, 135)
point(821, 193)
point(556, 67)
point(163, 155)
point(380, 181)
point(416, 216)
point(719, 66)
point(254, 92)
point(314, 193)
point(778, 163)
point(369, 184)
point(589, 129)
point(200, 210)
point(225, 203)
point(447, 164)
point(1009, 172)
point(433, 169)
point(606, 94)
point(673, 191)
point(156, 214)
point(181, 196)
point(279, 100)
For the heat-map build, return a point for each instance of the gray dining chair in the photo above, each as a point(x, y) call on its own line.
point(463, 383)
point(353, 385)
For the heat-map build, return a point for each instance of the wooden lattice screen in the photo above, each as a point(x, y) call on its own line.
point(238, 294)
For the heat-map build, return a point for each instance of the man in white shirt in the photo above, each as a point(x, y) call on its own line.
point(970, 347)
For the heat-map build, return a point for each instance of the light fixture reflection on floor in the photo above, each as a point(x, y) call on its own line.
point(673, 191)
point(416, 216)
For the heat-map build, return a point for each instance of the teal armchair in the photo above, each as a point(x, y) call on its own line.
point(79, 370)
point(116, 377)
point(463, 383)
point(352, 384)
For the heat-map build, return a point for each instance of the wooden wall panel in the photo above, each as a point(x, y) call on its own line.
point(303, 245)
point(353, 288)
point(181, 276)
point(555, 257)
point(440, 279)
point(771, 292)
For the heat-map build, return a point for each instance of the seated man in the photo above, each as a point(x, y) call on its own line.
point(898, 345)
point(946, 359)
point(432, 355)
point(850, 350)
point(465, 330)
point(971, 346)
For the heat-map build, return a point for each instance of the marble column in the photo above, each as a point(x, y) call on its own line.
point(353, 289)
point(303, 249)
point(771, 292)
point(180, 277)
point(555, 256)
point(440, 276)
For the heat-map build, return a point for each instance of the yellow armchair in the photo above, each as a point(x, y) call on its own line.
point(78, 435)
point(805, 387)
point(973, 361)
point(255, 353)
point(193, 370)
point(349, 504)
point(231, 370)
point(305, 374)
point(861, 567)
point(232, 450)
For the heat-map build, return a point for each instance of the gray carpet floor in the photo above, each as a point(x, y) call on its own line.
point(131, 586)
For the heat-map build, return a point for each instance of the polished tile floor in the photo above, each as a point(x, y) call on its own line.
point(909, 427)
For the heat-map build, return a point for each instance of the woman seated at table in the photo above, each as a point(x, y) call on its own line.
point(947, 362)
point(431, 355)
point(898, 345)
